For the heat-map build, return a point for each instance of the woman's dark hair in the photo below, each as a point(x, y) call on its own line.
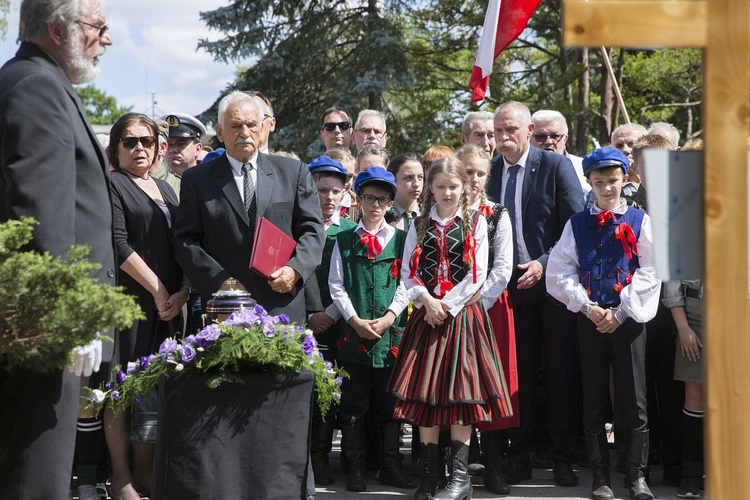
point(118, 130)
point(398, 161)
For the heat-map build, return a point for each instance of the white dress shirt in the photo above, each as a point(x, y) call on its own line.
point(399, 212)
point(502, 264)
point(460, 294)
point(523, 252)
point(638, 300)
point(340, 296)
point(239, 176)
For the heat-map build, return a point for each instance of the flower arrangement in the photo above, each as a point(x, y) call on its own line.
point(248, 340)
point(50, 305)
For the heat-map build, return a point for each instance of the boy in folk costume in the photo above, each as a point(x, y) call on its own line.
point(602, 267)
point(366, 288)
point(331, 179)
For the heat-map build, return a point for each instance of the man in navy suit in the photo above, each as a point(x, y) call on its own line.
point(220, 204)
point(541, 191)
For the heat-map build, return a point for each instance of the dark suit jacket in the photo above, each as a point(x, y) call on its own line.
point(551, 194)
point(212, 234)
point(52, 165)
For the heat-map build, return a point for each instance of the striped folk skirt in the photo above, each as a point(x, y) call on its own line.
point(449, 375)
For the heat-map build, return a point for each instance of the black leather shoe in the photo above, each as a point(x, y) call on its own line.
point(517, 472)
point(539, 461)
point(564, 475)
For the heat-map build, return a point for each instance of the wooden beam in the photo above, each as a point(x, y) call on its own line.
point(726, 320)
point(637, 24)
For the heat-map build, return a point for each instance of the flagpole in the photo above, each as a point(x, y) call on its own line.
point(620, 102)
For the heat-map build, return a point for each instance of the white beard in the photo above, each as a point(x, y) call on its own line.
point(84, 69)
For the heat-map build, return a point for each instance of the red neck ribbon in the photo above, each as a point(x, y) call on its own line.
point(625, 234)
point(414, 261)
point(485, 209)
point(373, 245)
point(601, 217)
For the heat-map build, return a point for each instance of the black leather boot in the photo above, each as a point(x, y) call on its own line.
point(353, 437)
point(320, 442)
point(432, 470)
point(597, 449)
point(459, 485)
point(390, 470)
point(637, 456)
point(492, 456)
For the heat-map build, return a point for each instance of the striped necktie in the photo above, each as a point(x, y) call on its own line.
point(249, 188)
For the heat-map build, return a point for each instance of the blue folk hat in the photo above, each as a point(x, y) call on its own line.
point(327, 164)
point(212, 155)
point(376, 174)
point(605, 157)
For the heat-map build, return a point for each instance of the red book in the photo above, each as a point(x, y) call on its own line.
point(272, 248)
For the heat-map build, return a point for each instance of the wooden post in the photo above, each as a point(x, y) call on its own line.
point(721, 26)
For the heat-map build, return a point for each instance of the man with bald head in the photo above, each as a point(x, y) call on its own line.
point(668, 132)
point(624, 136)
point(53, 169)
point(479, 130)
point(540, 191)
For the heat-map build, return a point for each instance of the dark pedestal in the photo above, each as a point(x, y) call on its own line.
point(238, 441)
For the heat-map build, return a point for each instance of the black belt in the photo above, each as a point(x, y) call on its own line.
point(694, 293)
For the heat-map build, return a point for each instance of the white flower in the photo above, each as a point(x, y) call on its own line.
point(179, 367)
point(309, 332)
point(97, 396)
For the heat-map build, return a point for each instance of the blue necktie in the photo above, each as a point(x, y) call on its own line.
point(249, 187)
point(509, 201)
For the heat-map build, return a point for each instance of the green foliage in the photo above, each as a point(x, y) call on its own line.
point(248, 341)
point(4, 11)
point(101, 108)
point(50, 305)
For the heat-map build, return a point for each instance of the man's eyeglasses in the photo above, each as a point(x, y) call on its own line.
point(131, 142)
point(330, 127)
point(383, 201)
point(543, 137)
point(102, 29)
point(374, 131)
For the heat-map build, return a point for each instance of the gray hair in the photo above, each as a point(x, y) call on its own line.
point(550, 115)
point(515, 107)
point(36, 14)
point(668, 126)
point(369, 112)
point(625, 125)
point(474, 116)
point(234, 97)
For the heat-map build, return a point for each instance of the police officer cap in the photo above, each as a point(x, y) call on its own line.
point(605, 157)
point(184, 125)
point(375, 174)
point(327, 164)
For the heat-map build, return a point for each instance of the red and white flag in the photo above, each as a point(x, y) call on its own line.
point(504, 21)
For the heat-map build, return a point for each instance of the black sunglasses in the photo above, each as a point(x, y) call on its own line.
point(330, 127)
point(131, 142)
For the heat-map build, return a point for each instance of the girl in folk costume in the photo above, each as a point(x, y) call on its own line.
point(497, 302)
point(448, 371)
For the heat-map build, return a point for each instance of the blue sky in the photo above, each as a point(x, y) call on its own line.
point(154, 50)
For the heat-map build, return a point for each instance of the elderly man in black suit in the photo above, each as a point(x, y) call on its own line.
point(541, 191)
point(53, 169)
point(221, 201)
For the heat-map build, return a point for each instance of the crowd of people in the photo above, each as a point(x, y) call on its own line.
point(500, 298)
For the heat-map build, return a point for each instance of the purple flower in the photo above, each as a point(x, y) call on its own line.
point(115, 395)
point(299, 328)
point(132, 366)
point(190, 339)
point(210, 333)
point(269, 326)
point(339, 381)
point(168, 346)
point(308, 345)
point(138, 399)
point(120, 377)
point(284, 319)
point(108, 385)
point(329, 365)
point(188, 354)
point(260, 312)
point(244, 318)
point(144, 361)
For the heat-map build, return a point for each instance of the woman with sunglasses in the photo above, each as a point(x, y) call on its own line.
point(143, 211)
